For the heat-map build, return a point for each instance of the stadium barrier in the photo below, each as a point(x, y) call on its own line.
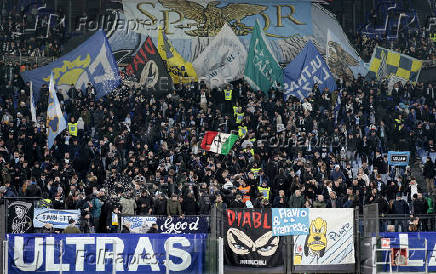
point(215, 235)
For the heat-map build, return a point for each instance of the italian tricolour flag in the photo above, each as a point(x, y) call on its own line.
point(218, 142)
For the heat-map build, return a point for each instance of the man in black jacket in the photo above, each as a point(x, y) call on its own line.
point(237, 203)
point(400, 207)
point(160, 206)
point(420, 207)
point(145, 203)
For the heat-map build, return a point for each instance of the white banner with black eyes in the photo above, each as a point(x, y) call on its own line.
point(249, 241)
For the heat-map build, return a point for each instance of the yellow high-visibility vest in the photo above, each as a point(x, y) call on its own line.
point(228, 94)
point(255, 171)
point(235, 110)
point(72, 129)
point(239, 117)
point(242, 131)
point(265, 191)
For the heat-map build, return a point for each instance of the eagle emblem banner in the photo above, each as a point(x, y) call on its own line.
point(184, 19)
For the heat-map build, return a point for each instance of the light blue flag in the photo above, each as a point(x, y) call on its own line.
point(91, 62)
point(262, 70)
point(56, 122)
point(304, 71)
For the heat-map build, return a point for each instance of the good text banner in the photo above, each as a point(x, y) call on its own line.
point(189, 224)
point(94, 253)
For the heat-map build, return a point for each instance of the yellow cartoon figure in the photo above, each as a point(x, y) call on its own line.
point(316, 241)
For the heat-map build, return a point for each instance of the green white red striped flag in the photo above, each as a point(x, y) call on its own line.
point(218, 142)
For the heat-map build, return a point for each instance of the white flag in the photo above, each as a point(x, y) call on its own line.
point(56, 122)
point(223, 60)
point(32, 104)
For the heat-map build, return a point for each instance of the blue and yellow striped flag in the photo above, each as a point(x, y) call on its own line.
point(386, 62)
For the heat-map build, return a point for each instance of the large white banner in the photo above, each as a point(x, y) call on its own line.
point(223, 60)
point(330, 240)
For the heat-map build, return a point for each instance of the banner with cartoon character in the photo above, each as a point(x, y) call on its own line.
point(20, 216)
point(329, 242)
point(249, 241)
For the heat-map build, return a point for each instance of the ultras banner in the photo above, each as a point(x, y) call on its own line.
point(249, 241)
point(94, 253)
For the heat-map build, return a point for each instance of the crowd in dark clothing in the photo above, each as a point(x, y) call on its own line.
point(33, 31)
point(141, 154)
point(416, 43)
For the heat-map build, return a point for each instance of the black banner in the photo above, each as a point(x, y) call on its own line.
point(20, 215)
point(249, 241)
point(149, 69)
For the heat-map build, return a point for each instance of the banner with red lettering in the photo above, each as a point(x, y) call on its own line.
point(149, 70)
point(248, 239)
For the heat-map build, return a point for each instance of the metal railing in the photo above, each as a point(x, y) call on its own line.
point(388, 255)
point(427, 222)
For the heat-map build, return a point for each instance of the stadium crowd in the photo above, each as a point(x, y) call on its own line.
point(31, 32)
point(417, 44)
point(137, 152)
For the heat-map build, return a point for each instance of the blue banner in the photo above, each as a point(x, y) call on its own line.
point(171, 225)
point(398, 158)
point(416, 259)
point(91, 62)
point(290, 221)
point(94, 253)
point(58, 218)
point(307, 69)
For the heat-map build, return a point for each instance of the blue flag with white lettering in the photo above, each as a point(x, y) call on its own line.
point(91, 62)
point(304, 71)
